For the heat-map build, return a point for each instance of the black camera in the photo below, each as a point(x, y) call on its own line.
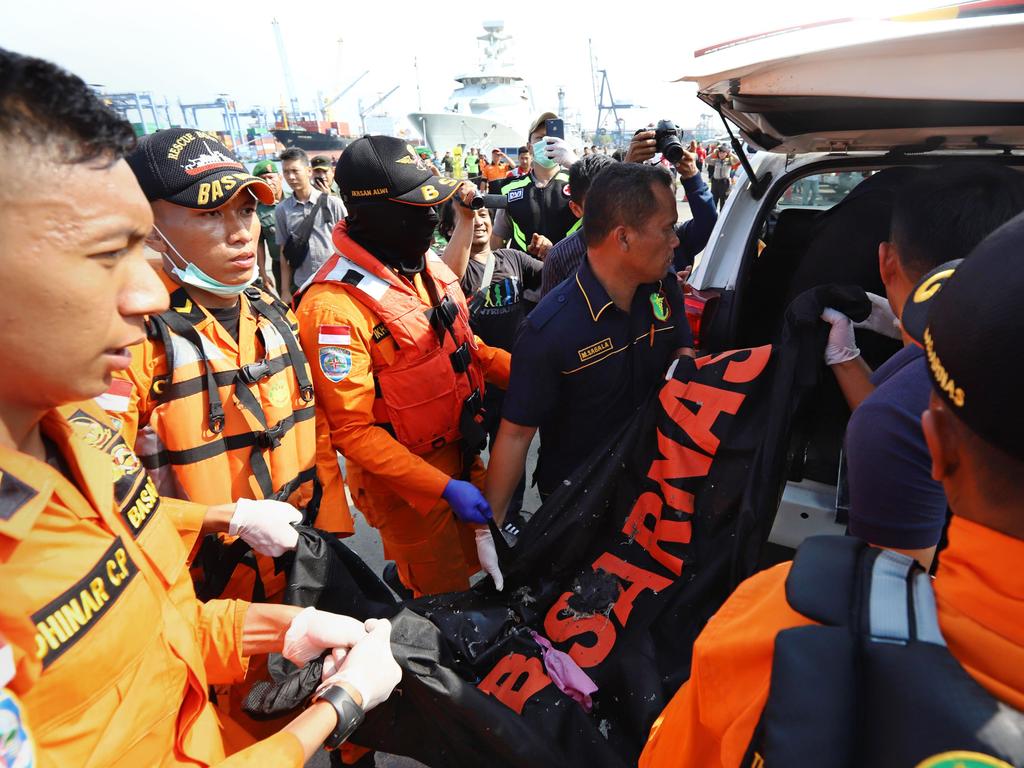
point(666, 136)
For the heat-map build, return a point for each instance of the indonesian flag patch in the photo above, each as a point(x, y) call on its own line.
point(117, 397)
point(335, 336)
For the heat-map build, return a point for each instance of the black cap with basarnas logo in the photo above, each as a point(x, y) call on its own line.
point(376, 168)
point(192, 168)
point(967, 316)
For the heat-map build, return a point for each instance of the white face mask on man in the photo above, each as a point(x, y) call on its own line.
point(192, 275)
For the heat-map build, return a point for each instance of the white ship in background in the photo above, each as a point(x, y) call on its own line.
point(492, 108)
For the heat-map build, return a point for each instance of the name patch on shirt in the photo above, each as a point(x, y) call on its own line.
point(66, 620)
point(515, 194)
point(139, 509)
point(380, 332)
point(589, 353)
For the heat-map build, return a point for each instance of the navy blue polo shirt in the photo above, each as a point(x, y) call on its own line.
point(894, 502)
point(581, 367)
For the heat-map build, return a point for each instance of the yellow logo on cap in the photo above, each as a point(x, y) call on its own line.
point(931, 286)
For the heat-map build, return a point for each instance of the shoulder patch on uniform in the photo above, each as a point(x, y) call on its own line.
point(14, 494)
point(334, 335)
point(93, 431)
point(335, 362)
point(515, 194)
point(380, 332)
point(16, 748)
point(117, 397)
point(183, 305)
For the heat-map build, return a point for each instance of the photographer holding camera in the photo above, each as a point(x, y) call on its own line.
point(720, 164)
point(538, 213)
point(693, 234)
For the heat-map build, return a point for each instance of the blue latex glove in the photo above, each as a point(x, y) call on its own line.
point(466, 501)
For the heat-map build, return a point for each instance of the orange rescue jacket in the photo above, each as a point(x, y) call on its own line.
point(112, 651)
point(421, 394)
point(215, 420)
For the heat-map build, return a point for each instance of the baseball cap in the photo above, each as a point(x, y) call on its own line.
point(189, 167)
point(387, 168)
point(264, 166)
point(539, 122)
point(321, 161)
point(966, 315)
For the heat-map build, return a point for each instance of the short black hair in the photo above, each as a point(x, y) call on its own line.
point(582, 174)
point(294, 153)
point(524, 150)
point(622, 193)
point(942, 213)
point(44, 105)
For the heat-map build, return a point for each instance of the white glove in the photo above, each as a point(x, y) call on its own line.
point(312, 632)
point(882, 319)
point(368, 666)
point(841, 346)
point(559, 151)
point(266, 525)
point(488, 556)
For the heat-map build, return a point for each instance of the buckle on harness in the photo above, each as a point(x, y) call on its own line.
point(461, 358)
point(442, 317)
point(307, 393)
point(215, 423)
point(270, 438)
point(251, 373)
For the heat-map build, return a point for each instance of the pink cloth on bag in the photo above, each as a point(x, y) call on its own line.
point(566, 673)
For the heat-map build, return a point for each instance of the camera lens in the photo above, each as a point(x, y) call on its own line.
point(667, 137)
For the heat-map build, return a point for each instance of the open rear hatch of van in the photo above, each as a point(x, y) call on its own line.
point(917, 82)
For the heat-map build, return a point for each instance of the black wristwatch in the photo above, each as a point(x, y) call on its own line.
point(350, 715)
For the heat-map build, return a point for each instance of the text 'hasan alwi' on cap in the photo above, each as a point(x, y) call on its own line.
point(966, 314)
point(189, 167)
point(387, 168)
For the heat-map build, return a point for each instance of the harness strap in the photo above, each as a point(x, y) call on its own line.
point(184, 328)
point(230, 443)
point(276, 315)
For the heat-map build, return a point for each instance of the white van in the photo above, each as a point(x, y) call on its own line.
point(828, 107)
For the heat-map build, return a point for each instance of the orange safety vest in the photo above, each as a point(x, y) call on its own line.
point(216, 422)
point(433, 383)
point(193, 445)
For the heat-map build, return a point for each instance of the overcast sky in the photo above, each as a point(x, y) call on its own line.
point(193, 50)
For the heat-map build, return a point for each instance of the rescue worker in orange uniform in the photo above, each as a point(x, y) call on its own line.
point(218, 401)
point(931, 679)
point(397, 371)
point(110, 649)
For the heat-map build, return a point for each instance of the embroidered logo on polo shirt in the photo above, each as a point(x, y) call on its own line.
point(589, 353)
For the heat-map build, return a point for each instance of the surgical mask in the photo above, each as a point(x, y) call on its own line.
point(397, 234)
point(194, 276)
point(540, 156)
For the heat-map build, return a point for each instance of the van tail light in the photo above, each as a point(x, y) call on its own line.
point(699, 307)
